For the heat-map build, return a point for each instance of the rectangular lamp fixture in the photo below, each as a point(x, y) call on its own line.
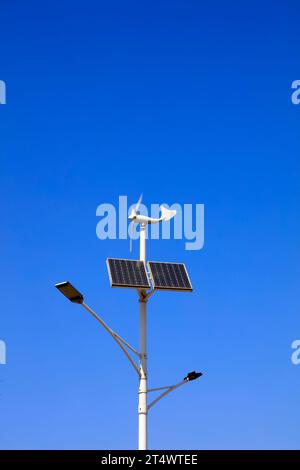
point(70, 292)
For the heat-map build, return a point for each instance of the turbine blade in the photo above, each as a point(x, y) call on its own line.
point(130, 236)
point(138, 203)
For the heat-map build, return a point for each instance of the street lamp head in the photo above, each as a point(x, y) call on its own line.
point(192, 376)
point(70, 292)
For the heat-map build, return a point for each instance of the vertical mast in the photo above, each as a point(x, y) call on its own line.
point(143, 353)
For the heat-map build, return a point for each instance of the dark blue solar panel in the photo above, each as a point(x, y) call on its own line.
point(127, 273)
point(169, 276)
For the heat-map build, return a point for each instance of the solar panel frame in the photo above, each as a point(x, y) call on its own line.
point(169, 287)
point(127, 284)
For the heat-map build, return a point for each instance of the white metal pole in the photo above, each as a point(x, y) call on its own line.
point(143, 410)
point(143, 242)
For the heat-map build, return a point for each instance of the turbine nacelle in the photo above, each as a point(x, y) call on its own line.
point(143, 219)
point(137, 218)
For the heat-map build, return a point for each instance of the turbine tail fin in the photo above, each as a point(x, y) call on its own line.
point(167, 214)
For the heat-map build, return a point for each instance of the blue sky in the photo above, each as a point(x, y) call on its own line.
point(105, 99)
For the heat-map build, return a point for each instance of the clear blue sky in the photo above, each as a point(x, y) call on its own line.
point(103, 98)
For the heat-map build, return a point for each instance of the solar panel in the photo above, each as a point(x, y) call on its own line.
point(127, 273)
point(169, 276)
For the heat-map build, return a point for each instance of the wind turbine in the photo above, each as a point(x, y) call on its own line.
point(143, 221)
point(136, 218)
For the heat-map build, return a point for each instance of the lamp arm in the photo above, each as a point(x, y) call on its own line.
point(116, 337)
point(169, 389)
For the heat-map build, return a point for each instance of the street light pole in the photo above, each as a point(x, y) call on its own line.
point(142, 406)
point(140, 366)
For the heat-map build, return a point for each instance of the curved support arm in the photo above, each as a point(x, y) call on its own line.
point(168, 389)
point(116, 337)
